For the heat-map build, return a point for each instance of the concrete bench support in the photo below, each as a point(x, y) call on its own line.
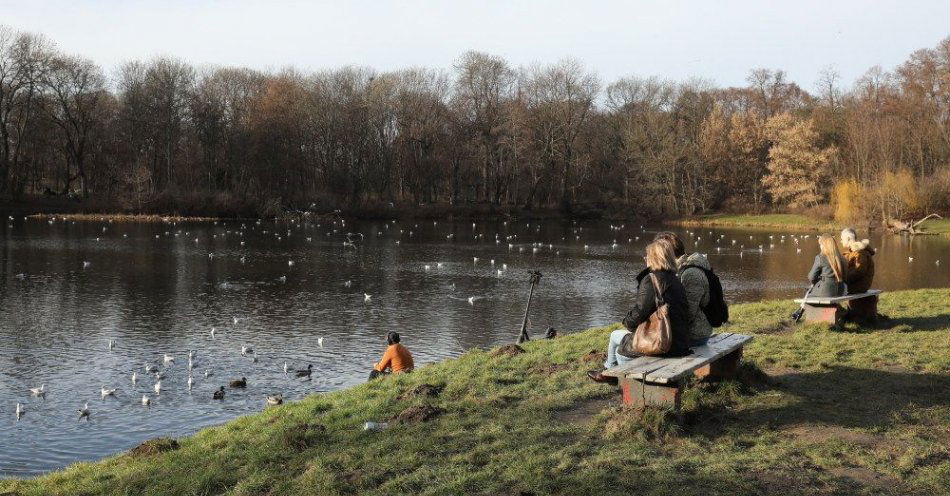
point(723, 368)
point(829, 314)
point(639, 394)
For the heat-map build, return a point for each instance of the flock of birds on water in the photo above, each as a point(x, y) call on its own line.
point(351, 240)
point(152, 370)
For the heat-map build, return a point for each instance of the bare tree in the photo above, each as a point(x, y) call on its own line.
point(77, 87)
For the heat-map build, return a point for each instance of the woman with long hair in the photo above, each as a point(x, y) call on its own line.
point(662, 262)
point(828, 272)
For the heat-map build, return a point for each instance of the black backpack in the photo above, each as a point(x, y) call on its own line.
point(717, 311)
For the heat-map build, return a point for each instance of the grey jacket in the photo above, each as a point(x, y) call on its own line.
point(823, 277)
point(697, 294)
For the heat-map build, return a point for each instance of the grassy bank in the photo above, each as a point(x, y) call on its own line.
point(936, 226)
point(851, 411)
point(783, 221)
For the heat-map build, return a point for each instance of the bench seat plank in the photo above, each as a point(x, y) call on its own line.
point(837, 299)
point(701, 356)
point(640, 366)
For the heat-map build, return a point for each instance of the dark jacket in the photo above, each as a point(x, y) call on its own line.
point(697, 293)
point(823, 278)
point(675, 296)
point(860, 266)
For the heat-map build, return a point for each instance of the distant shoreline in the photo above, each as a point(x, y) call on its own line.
point(784, 221)
point(794, 222)
point(74, 210)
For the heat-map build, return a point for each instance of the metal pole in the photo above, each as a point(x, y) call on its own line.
point(535, 279)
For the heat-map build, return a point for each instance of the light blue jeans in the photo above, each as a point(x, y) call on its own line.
point(614, 358)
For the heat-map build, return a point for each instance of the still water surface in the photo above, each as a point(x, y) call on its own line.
point(67, 289)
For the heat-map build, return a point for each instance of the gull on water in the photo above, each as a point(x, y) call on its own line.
point(107, 392)
point(40, 391)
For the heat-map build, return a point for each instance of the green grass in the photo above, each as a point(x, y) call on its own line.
point(850, 411)
point(788, 221)
point(936, 226)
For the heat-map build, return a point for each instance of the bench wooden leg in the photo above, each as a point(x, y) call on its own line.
point(639, 394)
point(723, 368)
point(830, 314)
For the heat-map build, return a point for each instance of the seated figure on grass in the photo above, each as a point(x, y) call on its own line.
point(860, 275)
point(662, 262)
point(396, 359)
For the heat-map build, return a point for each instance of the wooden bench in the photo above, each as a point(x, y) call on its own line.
point(659, 381)
point(829, 310)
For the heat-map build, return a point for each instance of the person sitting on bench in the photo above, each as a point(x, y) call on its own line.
point(860, 275)
point(692, 267)
point(661, 262)
point(396, 360)
point(827, 274)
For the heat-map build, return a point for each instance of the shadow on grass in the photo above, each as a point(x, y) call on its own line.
point(843, 396)
point(933, 322)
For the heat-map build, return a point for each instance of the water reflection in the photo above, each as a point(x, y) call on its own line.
point(154, 289)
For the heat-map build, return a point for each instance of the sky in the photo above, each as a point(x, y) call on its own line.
point(717, 40)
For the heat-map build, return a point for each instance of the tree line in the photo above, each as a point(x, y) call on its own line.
point(163, 133)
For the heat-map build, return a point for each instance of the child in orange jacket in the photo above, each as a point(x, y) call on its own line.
point(396, 359)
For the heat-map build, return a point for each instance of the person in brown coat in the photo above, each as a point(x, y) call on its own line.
point(860, 275)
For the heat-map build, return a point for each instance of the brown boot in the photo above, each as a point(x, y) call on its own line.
point(598, 376)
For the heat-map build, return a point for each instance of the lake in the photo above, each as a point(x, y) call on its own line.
point(68, 289)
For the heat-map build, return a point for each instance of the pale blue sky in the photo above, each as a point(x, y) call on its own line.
point(717, 40)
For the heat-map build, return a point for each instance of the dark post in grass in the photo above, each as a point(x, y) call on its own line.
point(534, 280)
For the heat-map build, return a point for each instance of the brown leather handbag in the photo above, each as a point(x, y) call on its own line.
point(654, 336)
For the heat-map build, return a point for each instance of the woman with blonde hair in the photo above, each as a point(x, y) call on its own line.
point(827, 274)
point(661, 262)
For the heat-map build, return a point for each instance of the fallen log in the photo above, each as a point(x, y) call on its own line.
point(897, 226)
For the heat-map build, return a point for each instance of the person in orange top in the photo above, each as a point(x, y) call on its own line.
point(396, 360)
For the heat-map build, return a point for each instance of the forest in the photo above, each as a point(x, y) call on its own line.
point(163, 135)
